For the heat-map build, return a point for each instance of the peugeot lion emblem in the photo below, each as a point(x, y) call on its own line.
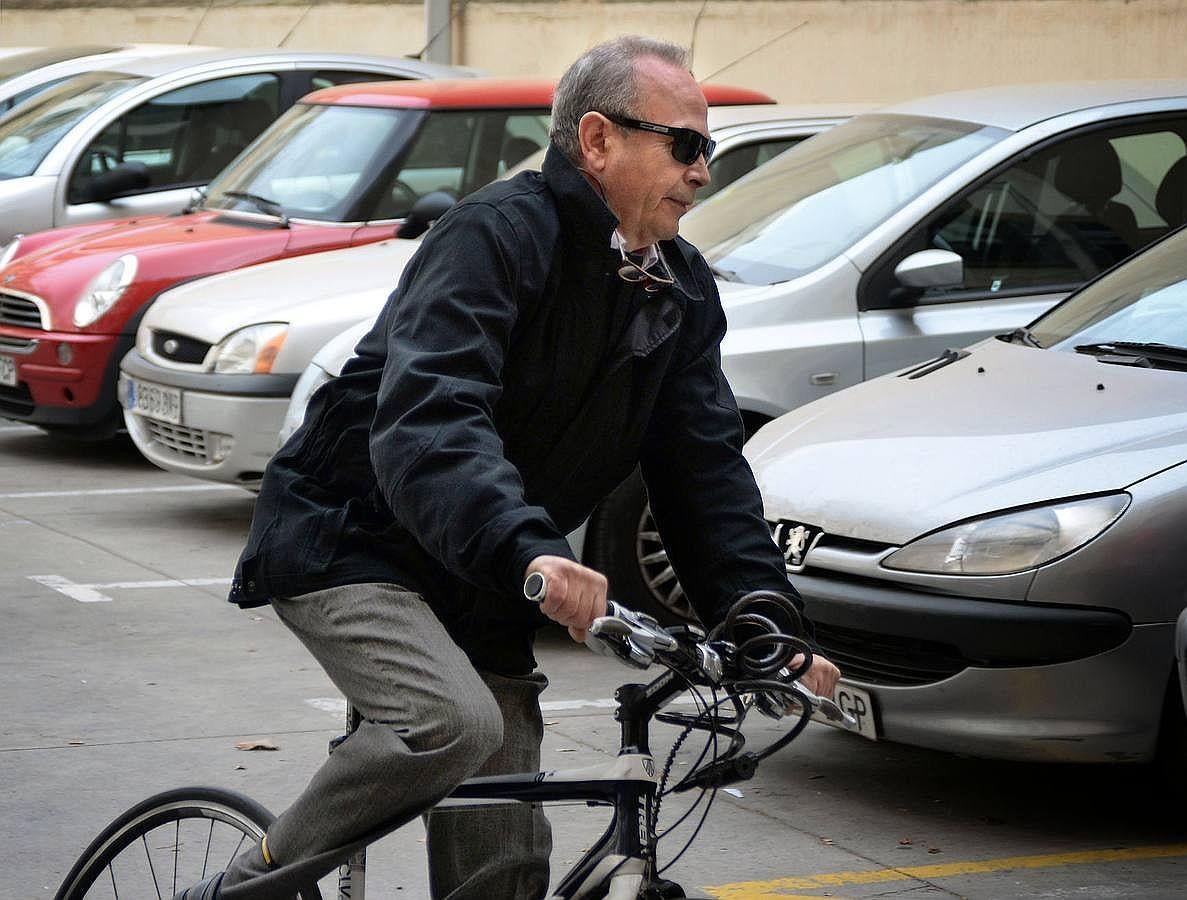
point(795, 541)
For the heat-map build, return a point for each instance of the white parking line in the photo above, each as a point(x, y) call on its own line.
point(93, 593)
point(177, 488)
point(337, 705)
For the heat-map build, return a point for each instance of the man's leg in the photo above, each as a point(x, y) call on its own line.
point(480, 853)
point(429, 722)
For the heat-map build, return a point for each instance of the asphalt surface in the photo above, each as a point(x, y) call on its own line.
point(123, 673)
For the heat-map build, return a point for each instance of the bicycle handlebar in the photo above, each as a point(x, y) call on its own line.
point(637, 639)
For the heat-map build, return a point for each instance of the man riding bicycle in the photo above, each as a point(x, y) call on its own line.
point(551, 333)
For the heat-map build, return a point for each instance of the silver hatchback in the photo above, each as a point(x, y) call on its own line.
point(990, 541)
point(138, 137)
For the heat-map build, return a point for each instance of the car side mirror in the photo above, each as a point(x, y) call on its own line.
point(427, 210)
point(931, 268)
point(124, 178)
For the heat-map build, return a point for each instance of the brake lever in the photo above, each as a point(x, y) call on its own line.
point(629, 636)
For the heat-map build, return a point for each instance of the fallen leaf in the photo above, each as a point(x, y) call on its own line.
point(261, 744)
point(934, 850)
point(553, 722)
point(78, 743)
point(826, 840)
point(566, 750)
point(241, 768)
point(904, 842)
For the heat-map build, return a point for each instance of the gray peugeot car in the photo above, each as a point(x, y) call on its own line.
point(991, 541)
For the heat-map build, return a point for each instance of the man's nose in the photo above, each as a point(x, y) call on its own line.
point(698, 172)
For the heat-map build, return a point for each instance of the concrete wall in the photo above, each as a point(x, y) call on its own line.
point(798, 50)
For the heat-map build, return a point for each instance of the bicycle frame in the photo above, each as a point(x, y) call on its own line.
point(621, 863)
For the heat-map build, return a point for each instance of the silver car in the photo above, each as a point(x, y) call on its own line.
point(140, 137)
point(922, 226)
point(990, 541)
point(30, 71)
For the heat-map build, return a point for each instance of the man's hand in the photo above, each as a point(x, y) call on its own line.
point(821, 677)
point(575, 595)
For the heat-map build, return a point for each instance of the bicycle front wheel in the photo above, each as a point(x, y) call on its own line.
point(165, 843)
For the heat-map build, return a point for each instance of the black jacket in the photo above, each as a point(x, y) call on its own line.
point(511, 382)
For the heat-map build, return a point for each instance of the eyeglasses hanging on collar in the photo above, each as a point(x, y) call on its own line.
point(655, 277)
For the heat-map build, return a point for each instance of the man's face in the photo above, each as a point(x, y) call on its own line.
point(645, 186)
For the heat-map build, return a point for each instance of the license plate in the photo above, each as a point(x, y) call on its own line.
point(152, 400)
point(860, 705)
point(8, 371)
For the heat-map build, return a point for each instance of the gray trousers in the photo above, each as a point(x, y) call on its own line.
point(430, 720)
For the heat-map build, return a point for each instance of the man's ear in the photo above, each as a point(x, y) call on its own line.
point(593, 135)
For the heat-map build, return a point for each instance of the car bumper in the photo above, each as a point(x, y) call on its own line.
point(995, 679)
point(228, 423)
point(63, 379)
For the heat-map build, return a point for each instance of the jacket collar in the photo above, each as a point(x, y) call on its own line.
point(589, 222)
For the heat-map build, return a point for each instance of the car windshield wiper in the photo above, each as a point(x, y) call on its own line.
point(270, 207)
point(1147, 352)
point(1020, 336)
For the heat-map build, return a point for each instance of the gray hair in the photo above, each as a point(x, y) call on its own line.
point(603, 79)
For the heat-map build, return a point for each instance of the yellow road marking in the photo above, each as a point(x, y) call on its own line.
point(780, 888)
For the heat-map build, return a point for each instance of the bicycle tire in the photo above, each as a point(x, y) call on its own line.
point(239, 818)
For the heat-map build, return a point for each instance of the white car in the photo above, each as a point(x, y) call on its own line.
point(230, 423)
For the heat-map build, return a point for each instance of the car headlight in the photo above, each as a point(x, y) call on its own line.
point(9, 251)
point(1011, 542)
point(104, 290)
point(251, 350)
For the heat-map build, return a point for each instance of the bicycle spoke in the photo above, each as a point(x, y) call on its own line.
point(151, 869)
point(176, 850)
point(235, 852)
point(114, 889)
point(209, 841)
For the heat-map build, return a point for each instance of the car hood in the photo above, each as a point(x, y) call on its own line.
point(319, 288)
point(1006, 426)
point(168, 248)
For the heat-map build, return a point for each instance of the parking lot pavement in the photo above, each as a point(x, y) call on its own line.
point(123, 673)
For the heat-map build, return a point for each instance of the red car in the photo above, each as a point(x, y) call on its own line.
point(344, 166)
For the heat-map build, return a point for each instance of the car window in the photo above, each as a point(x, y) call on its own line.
point(29, 133)
point(459, 151)
point(21, 96)
point(803, 209)
point(1143, 301)
point(183, 137)
point(730, 165)
point(328, 78)
point(304, 165)
point(1058, 217)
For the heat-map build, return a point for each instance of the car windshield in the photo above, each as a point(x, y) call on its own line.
point(1141, 302)
point(807, 206)
point(29, 132)
point(315, 162)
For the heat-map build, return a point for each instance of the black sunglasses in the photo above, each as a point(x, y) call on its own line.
point(687, 144)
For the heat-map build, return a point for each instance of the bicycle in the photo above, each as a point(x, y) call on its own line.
point(743, 664)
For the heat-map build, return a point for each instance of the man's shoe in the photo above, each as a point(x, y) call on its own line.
point(206, 889)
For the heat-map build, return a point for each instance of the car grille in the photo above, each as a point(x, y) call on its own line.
point(16, 401)
point(19, 311)
point(188, 443)
point(886, 659)
point(179, 348)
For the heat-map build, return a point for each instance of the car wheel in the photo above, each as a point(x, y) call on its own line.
point(625, 547)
